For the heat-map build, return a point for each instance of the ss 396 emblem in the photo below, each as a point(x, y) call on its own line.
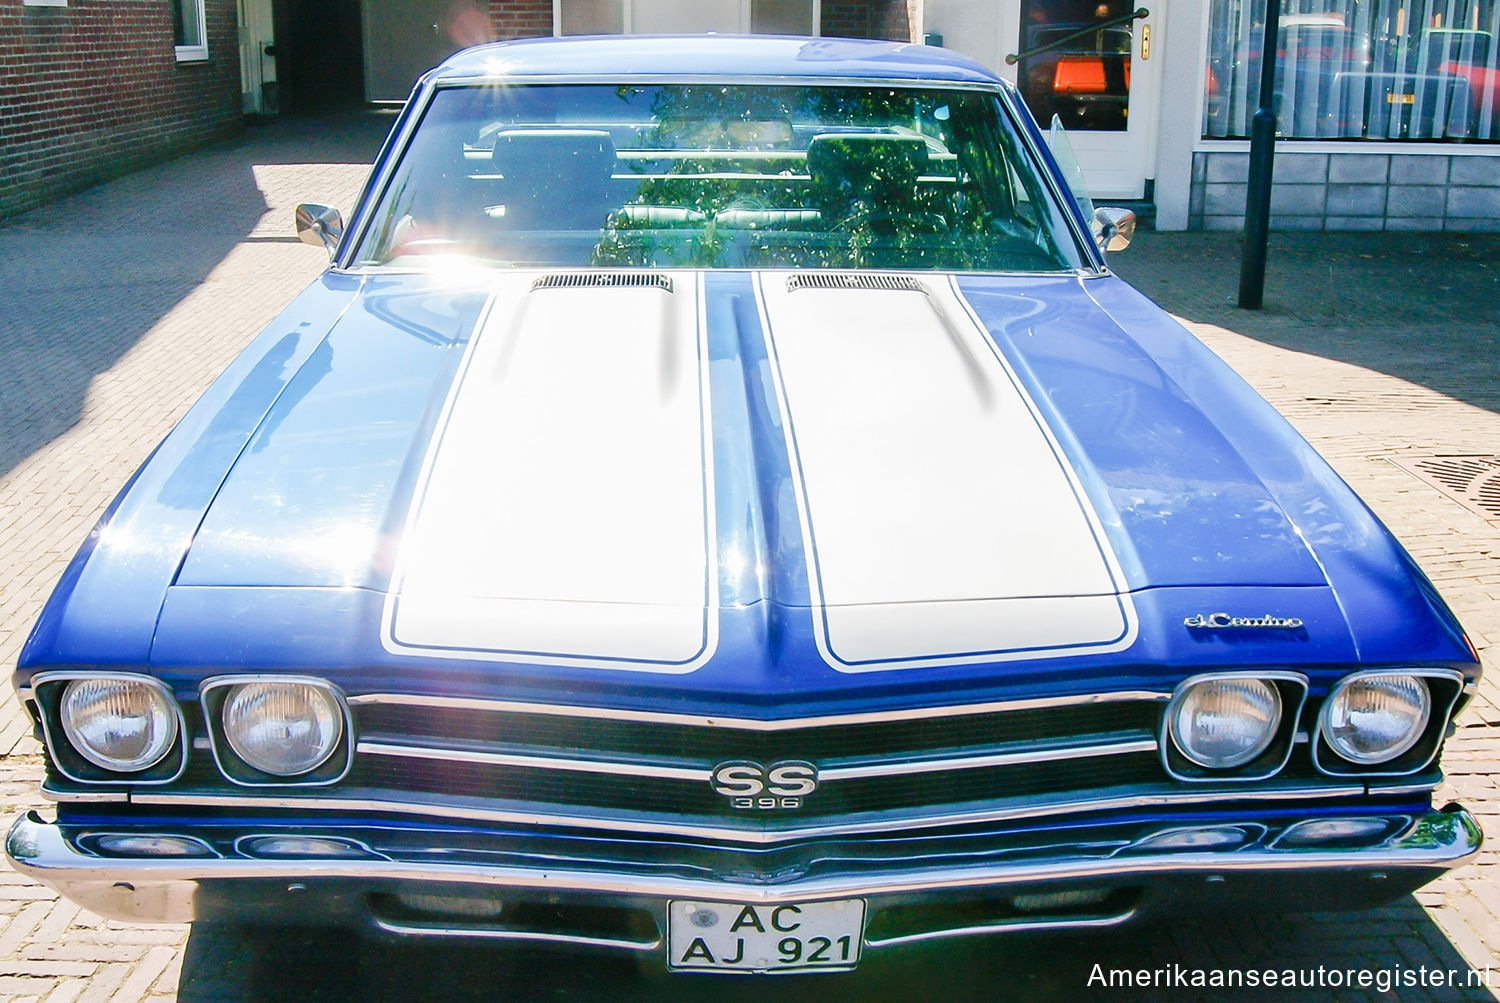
point(750, 785)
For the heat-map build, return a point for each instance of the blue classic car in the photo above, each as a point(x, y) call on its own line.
point(719, 504)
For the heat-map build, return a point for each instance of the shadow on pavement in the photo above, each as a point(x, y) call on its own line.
point(321, 967)
point(1424, 308)
point(85, 278)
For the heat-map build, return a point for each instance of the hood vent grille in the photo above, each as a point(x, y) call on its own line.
point(848, 280)
point(605, 280)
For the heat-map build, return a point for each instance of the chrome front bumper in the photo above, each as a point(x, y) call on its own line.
point(1290, 864)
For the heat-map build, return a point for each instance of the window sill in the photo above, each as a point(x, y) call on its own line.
point(44, 3)
point(1375, 146)
point(191, 53)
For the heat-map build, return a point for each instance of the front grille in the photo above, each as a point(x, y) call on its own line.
point(901, 792)
point(512, 756)
point(550, 734)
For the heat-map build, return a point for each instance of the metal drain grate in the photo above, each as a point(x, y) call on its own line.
point(1472, 481)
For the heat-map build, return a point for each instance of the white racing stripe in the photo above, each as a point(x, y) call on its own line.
point(570, 468)
point(941, 523)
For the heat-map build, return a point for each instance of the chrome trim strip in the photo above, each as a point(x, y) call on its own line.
point(84, 797)
point(438, 930)
point(623, 769)
point(1399, 789)
point(747, 724)
point(39, 850)
point(346, 740)
point(1229, 775)
point(1003, 926)
point(1355, 770)
point(1041, 755)
point(182, 740)
point(658, 78)
point(882, 823)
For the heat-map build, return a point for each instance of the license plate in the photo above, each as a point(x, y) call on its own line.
point(733, 937)
point(1400, 99)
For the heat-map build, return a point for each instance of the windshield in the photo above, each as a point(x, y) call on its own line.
point(695, 175)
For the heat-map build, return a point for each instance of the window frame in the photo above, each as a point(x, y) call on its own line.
point(193, 51)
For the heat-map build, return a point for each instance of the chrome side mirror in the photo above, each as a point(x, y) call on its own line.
point(1113, 227)
point(320, 226)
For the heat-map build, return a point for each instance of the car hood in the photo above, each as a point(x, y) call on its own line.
point(662, 472)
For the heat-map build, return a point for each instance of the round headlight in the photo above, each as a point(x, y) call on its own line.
point(1374, 719)
point(1223, 723)
point(282, 728)
point(122, 725)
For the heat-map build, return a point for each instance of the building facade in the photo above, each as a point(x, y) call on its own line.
point(1388, 110)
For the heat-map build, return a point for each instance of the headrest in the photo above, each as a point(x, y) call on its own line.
point(566, 152)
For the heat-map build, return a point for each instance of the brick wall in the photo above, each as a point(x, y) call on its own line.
point(845, 19)
point(889, 19)
point(521, 18)
point(93, 90)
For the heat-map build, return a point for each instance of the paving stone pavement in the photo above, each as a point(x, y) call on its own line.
point(122, 303)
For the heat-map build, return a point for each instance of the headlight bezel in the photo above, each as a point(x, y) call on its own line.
point(213, 694)
point(1291, 688)
point(47, 689)
point(1444, 688)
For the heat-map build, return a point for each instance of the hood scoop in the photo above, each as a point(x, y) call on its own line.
point(604, 280)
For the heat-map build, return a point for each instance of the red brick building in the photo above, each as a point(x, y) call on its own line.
point(96, 88)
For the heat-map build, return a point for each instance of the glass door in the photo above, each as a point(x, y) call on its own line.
point(1090, 64)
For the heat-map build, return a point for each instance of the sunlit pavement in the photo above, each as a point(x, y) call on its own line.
point(121, 304)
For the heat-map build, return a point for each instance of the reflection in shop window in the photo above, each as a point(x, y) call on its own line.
point(1359, 69)
point(1074, 62)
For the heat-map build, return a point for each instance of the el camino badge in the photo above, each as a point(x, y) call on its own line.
point(1223, 621)
point(756, 787)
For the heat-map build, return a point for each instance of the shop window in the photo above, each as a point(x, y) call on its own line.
point(1420, 70)
point(189, 37)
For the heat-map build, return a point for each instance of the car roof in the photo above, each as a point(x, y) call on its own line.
point(715, 57)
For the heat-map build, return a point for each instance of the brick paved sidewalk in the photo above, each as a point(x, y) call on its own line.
point(123, 303)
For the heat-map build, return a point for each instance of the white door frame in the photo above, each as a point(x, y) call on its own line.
point(257, 67)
